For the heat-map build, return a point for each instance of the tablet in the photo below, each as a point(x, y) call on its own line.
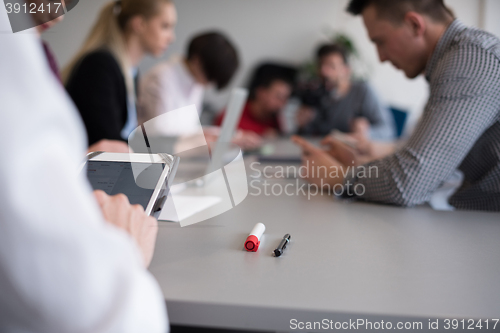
point(144, 178)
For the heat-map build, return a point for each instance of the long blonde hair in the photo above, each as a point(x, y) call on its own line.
point(108, 33)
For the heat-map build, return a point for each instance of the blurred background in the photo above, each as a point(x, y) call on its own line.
point(280, 30)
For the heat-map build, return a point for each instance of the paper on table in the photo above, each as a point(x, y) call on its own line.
point(185, 206)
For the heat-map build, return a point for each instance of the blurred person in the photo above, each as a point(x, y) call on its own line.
point(101, 79)
point(336, 102)
point(103, 145)
point(211, 59)
point(458, 136)
point(267, 99)
point(70, 261)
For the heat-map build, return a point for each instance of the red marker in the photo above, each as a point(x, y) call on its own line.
point(253, 240)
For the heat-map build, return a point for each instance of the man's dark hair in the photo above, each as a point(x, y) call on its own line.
point(267, 74)
point(217, 55)
point(395, 10)
point(329, 49)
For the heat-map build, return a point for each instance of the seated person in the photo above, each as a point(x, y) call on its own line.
point(102, 145)
point(211, 59)
point(72, 261)
point(101, 78)
point(268, 97)
point(336, 102)
point(460, 127)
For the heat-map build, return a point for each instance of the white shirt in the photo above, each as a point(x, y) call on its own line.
point(62, 268)
point(167, 87)
point(131, 123)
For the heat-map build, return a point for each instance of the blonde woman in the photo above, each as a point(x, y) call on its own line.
point(101, 78)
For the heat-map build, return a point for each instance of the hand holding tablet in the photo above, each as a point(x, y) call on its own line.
point(118, 211)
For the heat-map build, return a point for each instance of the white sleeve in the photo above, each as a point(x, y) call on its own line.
point(62, 268)
point(163, 91)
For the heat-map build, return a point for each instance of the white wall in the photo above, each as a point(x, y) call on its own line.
point(491, 16)
point(286, 30)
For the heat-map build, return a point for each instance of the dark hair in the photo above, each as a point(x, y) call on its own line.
point(328, 49)
point(396, 9)
point(217, 55)
point(265, 75)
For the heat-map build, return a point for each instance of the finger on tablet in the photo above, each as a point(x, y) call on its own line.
point(327, 140)
point(101, 197)
point(307, 147)
point(332, 142)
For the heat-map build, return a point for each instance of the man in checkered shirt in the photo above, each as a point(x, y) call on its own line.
point(460, 126)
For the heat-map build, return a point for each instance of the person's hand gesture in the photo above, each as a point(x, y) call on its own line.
point(342, 152)
point(321, 166)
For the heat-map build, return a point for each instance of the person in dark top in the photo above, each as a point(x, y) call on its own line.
point(101, 79)
point(101, 145)
point(334, 101)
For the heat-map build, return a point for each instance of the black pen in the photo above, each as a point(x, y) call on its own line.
point(284, 242)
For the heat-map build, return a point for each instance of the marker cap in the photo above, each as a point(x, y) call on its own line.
point(253, 240)
point(252, 243)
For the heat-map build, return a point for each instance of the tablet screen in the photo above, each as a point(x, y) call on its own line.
point(118, 177)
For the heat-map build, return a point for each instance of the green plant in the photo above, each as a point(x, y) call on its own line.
point(345, 41)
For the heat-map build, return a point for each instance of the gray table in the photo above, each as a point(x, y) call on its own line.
point(346, 261)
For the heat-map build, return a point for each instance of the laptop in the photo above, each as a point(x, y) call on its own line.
point(222, 151)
